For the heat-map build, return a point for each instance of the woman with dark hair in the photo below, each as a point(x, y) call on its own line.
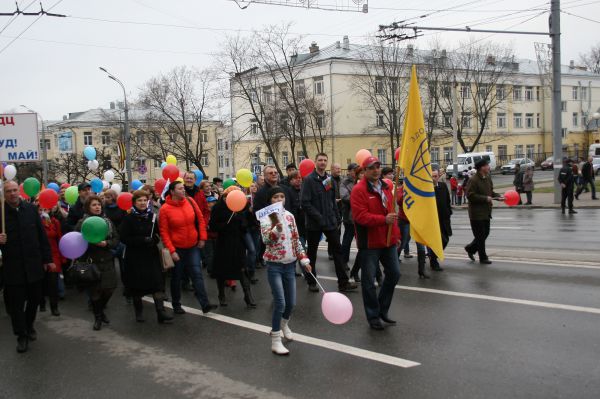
point(183, 233)
point(53, 232)
point(100, 254)
point(230, 253)
point(143, 272)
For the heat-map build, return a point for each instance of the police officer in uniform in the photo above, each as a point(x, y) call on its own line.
point(567, 181)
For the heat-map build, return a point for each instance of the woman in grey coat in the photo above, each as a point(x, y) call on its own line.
point(528, 184)
point(100, 254)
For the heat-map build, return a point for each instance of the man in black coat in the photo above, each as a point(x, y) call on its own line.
point(323, 217)
point(444, 209)
point(26, 255)
point(566, 180)
point(76, 211)
point(261, 199)
point(587, 177)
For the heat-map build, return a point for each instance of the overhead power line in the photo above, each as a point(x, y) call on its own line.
point(23, 12)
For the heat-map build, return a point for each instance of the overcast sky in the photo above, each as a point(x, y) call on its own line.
point(53, 66)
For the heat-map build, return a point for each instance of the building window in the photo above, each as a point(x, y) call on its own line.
point(378, 86)
point(466, 120)
point(320, 119)
point(380, 121)
point(538, 94)
point(435, 154)
point(139, 138)
point(382, 155)
point(501, 120)
point(253, 96)
point(537, 121)
point(518, 150)
point(530, 151)
point(529, 121)
point(502, 152)
point(269, 160)
point(226, 162)
point(285, 158)
point(47, 144)
point(300, 91)
point(563, 106)
point(446, 90)
point(220, 144)
point(448, 155)
point(528, 93)
point(204, 159)
point(517, 93)
point(220, 158)
point(465, 91)
point(488, 148)
point(300, 156)
point(105, 139)
point(564, 132)
point(87, 138)
point(157, 163)
point(267, 95)
point(483, 90)
point(318, 83)
point(575, 92)
point(226, 145)
point(254, 129)
point(584, 93)
point(204, 136)
point(394, 85)
point(518, 121)
point(448, 120)
point(500, 93)
point(575, 119)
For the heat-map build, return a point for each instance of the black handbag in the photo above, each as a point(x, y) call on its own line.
point(84, 273)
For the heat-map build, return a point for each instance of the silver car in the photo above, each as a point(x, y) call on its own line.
point(510, 166)
point(596, 166)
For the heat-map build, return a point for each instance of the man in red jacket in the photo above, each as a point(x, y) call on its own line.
point(194, 192)
point(372, 202)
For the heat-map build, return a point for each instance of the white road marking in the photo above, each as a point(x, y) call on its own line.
point(466, 227)
point(548, 305)
point(330, 345)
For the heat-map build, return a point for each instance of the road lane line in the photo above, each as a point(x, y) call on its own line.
point(330, 345)
point(549, 305)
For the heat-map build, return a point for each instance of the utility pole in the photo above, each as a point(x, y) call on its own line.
point(556, 96)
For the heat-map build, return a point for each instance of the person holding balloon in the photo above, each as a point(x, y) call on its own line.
point(283, 250)
point(183, 232)
point(102, 237)
point(25, 257)
point(76, 197)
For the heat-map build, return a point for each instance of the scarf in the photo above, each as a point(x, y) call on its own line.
point(143, 214)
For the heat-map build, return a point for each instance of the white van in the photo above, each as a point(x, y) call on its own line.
point(595, 150)
point(470, 159)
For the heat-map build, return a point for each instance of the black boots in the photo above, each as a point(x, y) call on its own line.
point(248, 298)
point(138, 306)
point(161, 314)
point(22, 343)
point(97, 307)
point(421, 261)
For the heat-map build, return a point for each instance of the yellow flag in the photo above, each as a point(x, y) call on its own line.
point(419, 196)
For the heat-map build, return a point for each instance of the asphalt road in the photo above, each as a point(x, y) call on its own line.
point(539, 175)
point(518, 329)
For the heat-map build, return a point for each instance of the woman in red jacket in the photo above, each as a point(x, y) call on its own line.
point(183, 232)
point(53, 231)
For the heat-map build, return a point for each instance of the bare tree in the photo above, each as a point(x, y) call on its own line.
point(591, 60)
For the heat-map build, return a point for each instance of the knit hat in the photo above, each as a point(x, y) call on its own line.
point(275, 190)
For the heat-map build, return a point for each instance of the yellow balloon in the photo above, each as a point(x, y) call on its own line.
point(179, 179)
point(171, 160)
point(244, 177)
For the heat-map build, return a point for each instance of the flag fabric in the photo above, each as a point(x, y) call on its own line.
point(419, 195)
point(166, 189)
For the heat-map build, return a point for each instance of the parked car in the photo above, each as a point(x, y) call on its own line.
point(510, 166)
point(596, 166)
point(464, 161)
point(547, 164)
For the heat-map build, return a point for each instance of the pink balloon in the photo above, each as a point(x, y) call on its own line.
point(361, 155)
point(336, 307)
point(511, 198)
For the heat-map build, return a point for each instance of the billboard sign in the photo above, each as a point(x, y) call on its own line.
point(65, 142)
point(19, 137)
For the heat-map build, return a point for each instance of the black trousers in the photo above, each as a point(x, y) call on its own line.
point(50, 289)
point(23, 301)
point(566, 195)
point(481, 231)
point(333, 239)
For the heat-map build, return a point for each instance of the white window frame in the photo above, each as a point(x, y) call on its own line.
point(501, 120)
point(88, 138)
point(529, 121)
point(379, 119)
point(518, 120)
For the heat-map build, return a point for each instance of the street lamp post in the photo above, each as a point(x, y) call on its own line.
point(127, 136)
point(44, 152)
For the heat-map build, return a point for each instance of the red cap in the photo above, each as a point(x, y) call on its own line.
point(370, 161)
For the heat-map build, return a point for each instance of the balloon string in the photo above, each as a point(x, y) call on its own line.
point(319, 284)
point(230, 217)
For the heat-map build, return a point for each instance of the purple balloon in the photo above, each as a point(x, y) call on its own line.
point(72, 245)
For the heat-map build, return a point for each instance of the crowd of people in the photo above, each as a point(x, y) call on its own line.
point(172, 238)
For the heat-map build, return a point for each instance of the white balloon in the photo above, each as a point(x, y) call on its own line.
point(105, 185)
point(93, 164)
point(109, 176)
point(10, 172)
point(116, 188)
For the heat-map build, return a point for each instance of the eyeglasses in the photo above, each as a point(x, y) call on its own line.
point(374, 167)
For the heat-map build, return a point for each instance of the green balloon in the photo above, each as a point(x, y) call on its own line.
point(71, 195)
point(94, 229)
point(31, 186)
point(228, 183)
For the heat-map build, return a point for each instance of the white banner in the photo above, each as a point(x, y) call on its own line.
point(19, 138)
point(276, 207)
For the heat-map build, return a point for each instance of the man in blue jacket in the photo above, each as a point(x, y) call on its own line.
point(323, 217)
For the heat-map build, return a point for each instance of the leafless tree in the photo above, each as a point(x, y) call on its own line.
point(591, 60)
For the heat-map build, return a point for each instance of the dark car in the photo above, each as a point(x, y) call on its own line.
point(547, 164)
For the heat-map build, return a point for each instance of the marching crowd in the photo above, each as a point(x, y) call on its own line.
point(171, 238)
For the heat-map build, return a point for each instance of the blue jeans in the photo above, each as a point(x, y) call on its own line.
point(347, 241)
point(191, 262)
point(376, 306)
point(405, 233)
point(282, 279)
point(250, 253)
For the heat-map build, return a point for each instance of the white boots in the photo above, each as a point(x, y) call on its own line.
point(285, 329)
point(276, 344)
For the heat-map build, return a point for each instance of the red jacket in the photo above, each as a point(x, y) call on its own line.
point(369, 213)
point(200, 200)
point(453, 183)
point(176, 224)
point(399, 199)
point(52, 227)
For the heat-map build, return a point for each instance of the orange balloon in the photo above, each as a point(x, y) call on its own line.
point(361, 155)
point(236, 201)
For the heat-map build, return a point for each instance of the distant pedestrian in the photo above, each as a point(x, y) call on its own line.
point(454, 189)
point(346, 187)
point(518, 181)
point(481, 194)
point(54, 234)
point(528, 185)
point(444, 209)
point(566, 178)
point(76, 211)
point(26, 255)
point(372, 203)
point(587, 177)
point(460, 192)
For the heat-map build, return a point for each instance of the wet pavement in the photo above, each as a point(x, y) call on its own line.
point(524, 328)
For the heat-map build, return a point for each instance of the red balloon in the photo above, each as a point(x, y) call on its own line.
point(397, 154)
point(48, 198)
point(22, 192)
point(511, 198)
point(388, 182)
point(65, 185)
point(170, 172)
point(159, 186)
point(125, 201)
point(306, 167)
point(181, 174)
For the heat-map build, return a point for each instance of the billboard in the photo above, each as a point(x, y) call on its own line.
point(19, 137)
point(65, 142)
